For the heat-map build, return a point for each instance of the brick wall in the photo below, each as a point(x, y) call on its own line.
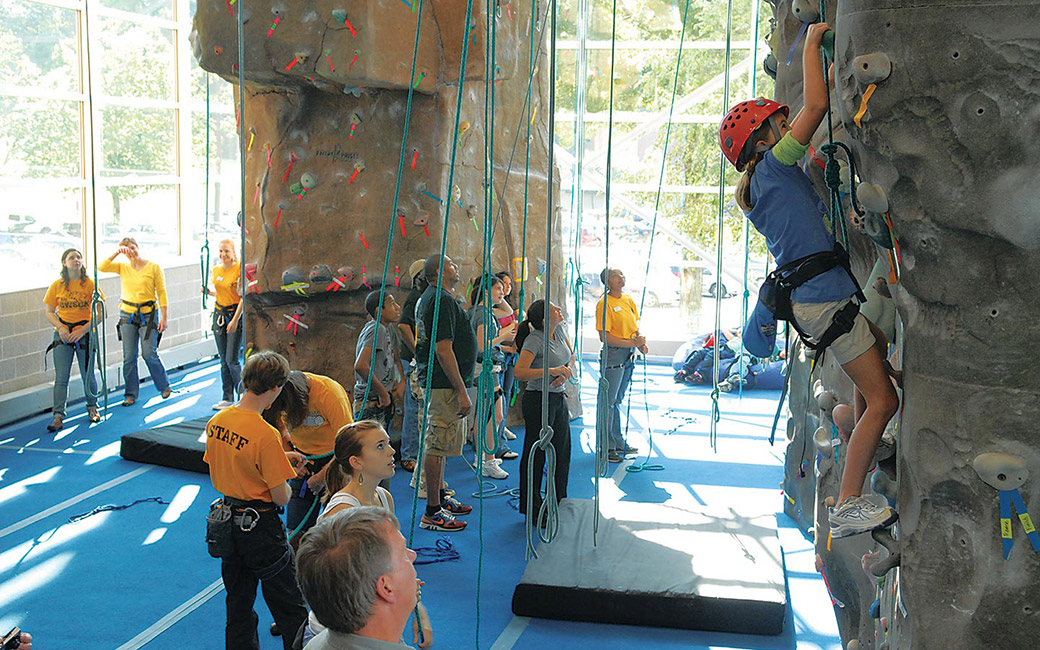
point(25, 332)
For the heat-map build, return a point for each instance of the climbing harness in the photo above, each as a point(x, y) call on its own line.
point(140, 319)
point(776, 292)
point(80, 344)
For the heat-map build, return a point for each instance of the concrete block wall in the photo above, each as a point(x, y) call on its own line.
point(25, 332)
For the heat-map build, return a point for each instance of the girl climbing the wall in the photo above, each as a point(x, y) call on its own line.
point(779, 199)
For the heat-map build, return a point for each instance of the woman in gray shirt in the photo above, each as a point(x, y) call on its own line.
point(530, 341)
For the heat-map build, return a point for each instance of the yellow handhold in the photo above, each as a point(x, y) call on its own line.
point(858, 119)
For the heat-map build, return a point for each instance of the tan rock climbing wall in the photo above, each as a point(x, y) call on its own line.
point(325, 105)
point(949, 138)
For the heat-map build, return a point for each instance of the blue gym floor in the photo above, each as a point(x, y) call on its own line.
point(141, 576)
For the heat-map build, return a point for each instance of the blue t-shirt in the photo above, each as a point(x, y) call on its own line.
point(789, 214)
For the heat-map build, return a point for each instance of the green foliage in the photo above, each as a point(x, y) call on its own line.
point(643, 80)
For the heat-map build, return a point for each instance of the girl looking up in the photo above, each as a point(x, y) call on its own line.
point(779, 199)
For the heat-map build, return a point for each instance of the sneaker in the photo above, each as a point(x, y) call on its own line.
point(422, 487)
point(491, 469)
point(442, 521)
point(614, 457)
point(92, 414)
point(508, 454)
point(626, 450)
point(727, 387)
point(166, 393)
point(57, 423)
point(509, 434)
point(408, 465)
point(451, 504)
point(222, 404)
point(129, 401)
point(858, 515)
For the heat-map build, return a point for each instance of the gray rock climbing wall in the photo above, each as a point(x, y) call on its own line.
point(326, 95)
point(947, 98)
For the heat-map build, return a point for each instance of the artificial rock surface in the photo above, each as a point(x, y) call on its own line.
point(326, 97)
point(948, 135)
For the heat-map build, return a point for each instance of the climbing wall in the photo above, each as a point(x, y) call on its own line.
point(326, 95)
point(940, 102)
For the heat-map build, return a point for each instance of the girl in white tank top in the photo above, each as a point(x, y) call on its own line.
point(363, 458)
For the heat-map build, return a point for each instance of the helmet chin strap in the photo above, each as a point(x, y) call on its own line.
point(776, 135)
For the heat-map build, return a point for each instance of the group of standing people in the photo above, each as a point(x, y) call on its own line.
point(143, 318)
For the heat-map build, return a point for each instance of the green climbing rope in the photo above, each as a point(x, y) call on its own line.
point(715, 413)
point(204, 251)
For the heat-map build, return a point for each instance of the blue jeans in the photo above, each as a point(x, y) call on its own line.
point(410, 425)
point(63, 368)
point(228, 346)
point(131, 333)
point(618, 373)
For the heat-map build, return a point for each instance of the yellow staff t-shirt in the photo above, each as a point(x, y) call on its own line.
point(71, 304)
point(138, 286)
point(245, 455)
point(225, 284)
point(328, 411)
point(622, 316)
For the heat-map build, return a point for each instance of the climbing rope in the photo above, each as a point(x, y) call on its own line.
point(98, 310)
point(204, 251)
point(747, 230)
point(603, 398)
point(242, 167)
point(112, 508)
point(650, 249)
point(444, 245)
point(715, 412)
point(547, 517)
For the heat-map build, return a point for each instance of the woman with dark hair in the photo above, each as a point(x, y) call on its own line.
point(226, 315)
point(68, 309)
point(142, 296)
point(506, 315)
point(530, 338)
point(479, 314)
point(308, 413)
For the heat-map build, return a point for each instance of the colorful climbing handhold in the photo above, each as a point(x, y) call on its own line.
point(858, 117)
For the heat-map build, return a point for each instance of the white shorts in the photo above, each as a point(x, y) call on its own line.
point(815, 317)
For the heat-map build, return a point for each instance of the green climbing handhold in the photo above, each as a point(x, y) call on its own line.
point(339, 15)
point(828, 44)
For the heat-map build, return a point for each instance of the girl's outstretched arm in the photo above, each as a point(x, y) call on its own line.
point(814, 109)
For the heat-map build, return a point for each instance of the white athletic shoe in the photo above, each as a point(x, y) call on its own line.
point(491, 469)
point(510, 435)
point(857, 515)
point(222, 404)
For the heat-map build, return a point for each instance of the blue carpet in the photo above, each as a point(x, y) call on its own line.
point(102, 581)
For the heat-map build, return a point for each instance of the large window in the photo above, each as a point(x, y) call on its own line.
point(683, 262)
point(122, 148)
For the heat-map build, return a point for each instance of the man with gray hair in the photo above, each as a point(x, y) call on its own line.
point(356, 573)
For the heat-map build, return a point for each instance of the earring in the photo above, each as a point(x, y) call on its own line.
point(360, 479)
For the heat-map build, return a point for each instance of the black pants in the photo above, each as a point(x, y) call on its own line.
point(261, 556)
point(560, 421)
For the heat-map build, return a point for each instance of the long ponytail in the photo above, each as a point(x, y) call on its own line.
point(743, 191)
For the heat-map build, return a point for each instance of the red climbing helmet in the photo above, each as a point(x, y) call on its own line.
point(741, 121)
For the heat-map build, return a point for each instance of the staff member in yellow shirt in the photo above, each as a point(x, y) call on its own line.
point(142, 292)
point(226, 315)
point(249, 467)
point(309, 413)
point(621, 338)
point(68, 309)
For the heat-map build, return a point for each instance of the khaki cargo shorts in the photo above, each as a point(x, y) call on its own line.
point(816, 317)
point(445, 432)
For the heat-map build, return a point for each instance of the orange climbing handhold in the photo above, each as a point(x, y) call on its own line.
point(867, 94)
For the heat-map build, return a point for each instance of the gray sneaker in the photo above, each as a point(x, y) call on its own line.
point(857, 515)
